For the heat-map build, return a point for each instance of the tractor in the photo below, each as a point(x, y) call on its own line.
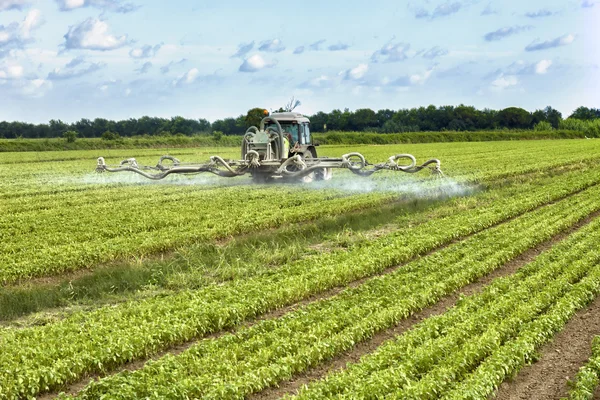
point(280, 148)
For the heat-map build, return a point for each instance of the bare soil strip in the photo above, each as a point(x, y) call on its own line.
point(292, 386)
point(364, 348)
point(559, 360)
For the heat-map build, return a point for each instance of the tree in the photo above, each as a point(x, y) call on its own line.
point(217, 135)
point(362, 119)
point(514, 118)
point(203, 125)
point(553, 116)
point(57, 128)
point(181, 125)
point(585, 114)
point(70, 136)
point(254, 116)
point(108, 135)
point(543, 126)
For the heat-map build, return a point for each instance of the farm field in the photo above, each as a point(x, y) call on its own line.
point(485, 283)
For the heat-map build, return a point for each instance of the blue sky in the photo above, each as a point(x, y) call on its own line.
point(117, 59)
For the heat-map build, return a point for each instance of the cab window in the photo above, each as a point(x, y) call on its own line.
point(307, 138)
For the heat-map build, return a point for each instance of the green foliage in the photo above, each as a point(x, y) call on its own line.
point(70, 136)
point(67, 349)
point(590, 128)
point(217, 135)
point(71, 224)
point(108, 135)
point(254, 116)
point(543, 126)
point(337, 137)
point(587, 380)
point(271, 350)
point(585, 114)
point(421, 119)
point(514, 118)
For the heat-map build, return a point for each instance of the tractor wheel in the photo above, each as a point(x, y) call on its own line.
point(312, 176)
point(324, 174)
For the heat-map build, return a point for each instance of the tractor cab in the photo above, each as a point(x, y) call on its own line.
point(296, 125)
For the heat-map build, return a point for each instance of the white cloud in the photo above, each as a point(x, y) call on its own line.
point(9, 34)
point(165, 69)
point(504, 81)
point(93, 34)
point(320, 82)
point(187, 78)
point(316, 46)
point(32, 20)
point(271, 46)
point(14, 71)
point(549, 44)
point(338, 47)
point(75, 68)
point(193, 76)
point(505, 32)
point(521, 68)
point(35, 87)
point(355, 73)
point(147, 51)
point(108, 5)
point(489, 10)
point(17, 35)
point(71, 4)
point(435, 52)
point(144, 68)
point(13, 4)
point(392, 52)
point(256, 63)
point(419, 79)
point(243, 49)
point(15, 81)
point(542, 67)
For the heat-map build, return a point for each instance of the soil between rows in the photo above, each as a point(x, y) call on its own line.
point(558, 362)
point(378, 339)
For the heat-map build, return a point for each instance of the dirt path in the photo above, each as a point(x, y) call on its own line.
point(559, 360)
point(339, 363)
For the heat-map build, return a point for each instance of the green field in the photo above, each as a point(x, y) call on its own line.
point(394, 286)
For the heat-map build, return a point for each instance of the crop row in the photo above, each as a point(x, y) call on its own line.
point(468, 351)
point(587, 379)
point(43, 358)
point(66, 233)
point(68, 237)
point(484, 161)
point(46, 234)
point(270, 351)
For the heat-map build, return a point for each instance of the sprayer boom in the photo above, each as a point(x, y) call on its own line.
point(294, 167)
point(267, 154)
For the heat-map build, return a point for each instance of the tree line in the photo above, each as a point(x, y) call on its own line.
point(422, 119)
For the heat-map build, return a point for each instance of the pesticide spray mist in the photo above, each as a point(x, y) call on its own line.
point(409, 186)
point(205, 180)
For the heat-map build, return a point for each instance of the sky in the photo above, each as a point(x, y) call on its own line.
point(119, 59)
